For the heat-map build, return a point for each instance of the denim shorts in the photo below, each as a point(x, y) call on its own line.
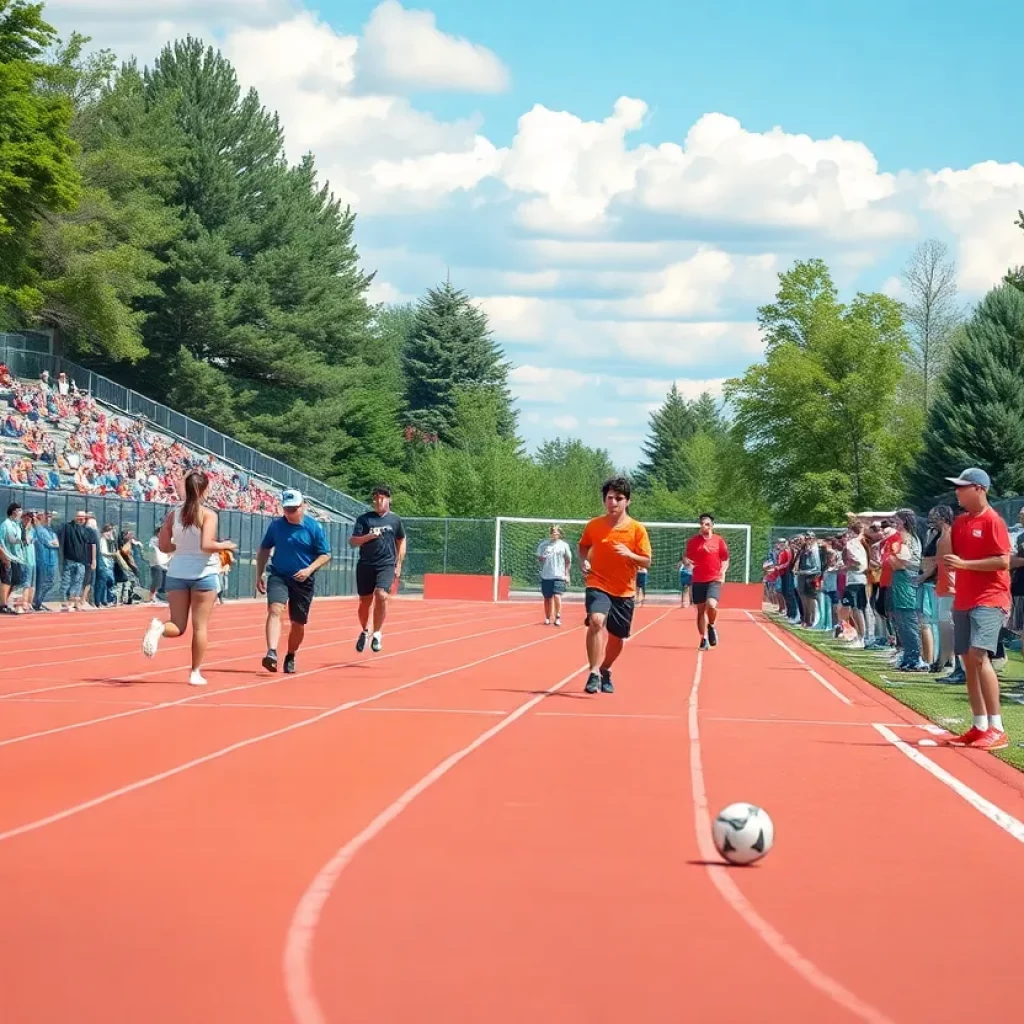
point(203, 584)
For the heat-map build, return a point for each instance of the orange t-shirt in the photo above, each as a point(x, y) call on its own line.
point(609, 571)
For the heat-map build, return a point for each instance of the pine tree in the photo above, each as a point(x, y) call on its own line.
point(978, 417)
point(449, 349)
point(37, 172)
point(670, 427)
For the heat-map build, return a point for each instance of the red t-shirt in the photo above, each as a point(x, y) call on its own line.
point(974, 537)
point(708, 555)
point(885, 550)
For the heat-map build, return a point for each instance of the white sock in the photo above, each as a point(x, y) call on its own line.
point(377, 634)
point(981, 722)
point(995, 722)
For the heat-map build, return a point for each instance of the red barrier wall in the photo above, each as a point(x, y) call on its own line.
point(455, 587)
point(742, 595)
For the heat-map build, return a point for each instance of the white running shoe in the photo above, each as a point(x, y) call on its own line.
point(196, 679)
point(151, 641)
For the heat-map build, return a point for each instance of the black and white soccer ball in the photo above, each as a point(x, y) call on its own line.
point(743, 833)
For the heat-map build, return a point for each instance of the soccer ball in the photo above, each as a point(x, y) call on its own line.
point(743, 833)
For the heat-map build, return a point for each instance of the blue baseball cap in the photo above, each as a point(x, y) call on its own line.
point(291, 499)
point(973, 477)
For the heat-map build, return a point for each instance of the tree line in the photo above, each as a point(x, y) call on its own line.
point(150, 219)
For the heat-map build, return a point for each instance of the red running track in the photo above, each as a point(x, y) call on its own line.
point(451, 830)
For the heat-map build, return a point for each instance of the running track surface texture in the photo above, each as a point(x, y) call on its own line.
point(451, 830)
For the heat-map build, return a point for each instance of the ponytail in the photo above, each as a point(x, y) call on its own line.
point(195, 487)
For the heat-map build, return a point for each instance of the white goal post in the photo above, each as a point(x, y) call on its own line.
point(516, 539)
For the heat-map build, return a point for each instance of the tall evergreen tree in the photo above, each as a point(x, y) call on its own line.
point(37, 172)
point(670, 427)
point(97, 262)
point(978, 418)
point(450, 348)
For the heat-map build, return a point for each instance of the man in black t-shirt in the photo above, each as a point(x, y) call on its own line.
point(380, 537)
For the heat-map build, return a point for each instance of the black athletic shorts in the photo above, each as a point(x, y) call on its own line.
point(855, 596)
point(297, 594)
point(618, 611)
point(373, 577)
point(702, 591)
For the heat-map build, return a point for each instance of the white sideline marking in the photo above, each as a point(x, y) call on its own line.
point(796, 657)
point(150, 780)
point(1006, 821)
point(717, 871)
point(298, 974)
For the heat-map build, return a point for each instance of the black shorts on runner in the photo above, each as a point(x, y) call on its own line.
point(372, 577)
point(617, 611)
point(297, 594)
point(703, 591)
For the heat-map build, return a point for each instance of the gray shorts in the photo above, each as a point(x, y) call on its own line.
point(979, 627)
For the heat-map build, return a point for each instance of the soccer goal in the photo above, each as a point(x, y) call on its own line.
point(517, 539)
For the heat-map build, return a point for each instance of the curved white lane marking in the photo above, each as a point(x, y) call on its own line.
point(718, 872)
point(298, 949)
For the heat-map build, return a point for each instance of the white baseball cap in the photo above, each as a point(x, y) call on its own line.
point(291, 499)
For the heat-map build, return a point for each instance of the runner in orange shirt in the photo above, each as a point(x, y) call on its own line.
point(612, 548)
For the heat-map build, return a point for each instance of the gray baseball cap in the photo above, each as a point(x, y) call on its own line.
point(973, 477)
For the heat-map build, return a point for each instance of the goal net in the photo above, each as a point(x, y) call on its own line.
point(516, 542)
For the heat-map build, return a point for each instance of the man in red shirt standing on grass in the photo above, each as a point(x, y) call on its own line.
point(707, 555)
point(980, 557)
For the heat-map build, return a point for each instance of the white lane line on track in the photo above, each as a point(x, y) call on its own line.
point(298, 968)
point(718, 872)
point(151, 780)
point(269, 681)
point(1006, 821)
point(816, 676)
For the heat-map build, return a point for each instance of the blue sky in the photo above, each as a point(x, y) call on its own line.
point(619, 187)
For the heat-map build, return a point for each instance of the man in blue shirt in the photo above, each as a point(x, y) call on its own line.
point(300, 548)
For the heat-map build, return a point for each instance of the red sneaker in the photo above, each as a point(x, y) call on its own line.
point(991, 740)
point(969, 738)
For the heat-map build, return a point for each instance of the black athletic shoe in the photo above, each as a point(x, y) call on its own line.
point(270, 661)
point(361, 642)
point(289, 663)
point(375, 644)
point(606, 682)
point(712, 636)
point(593, 683)
point(704, 645)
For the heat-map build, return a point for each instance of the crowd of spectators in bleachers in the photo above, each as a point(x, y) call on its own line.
point(63, 439)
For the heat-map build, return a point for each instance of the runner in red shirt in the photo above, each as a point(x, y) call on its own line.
point(707, 555)
point(980, 557)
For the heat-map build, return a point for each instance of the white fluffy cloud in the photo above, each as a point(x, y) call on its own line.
point(405, 49)
point(608, 267)
point(583, 172)
point(979, 205)
point(378, 151)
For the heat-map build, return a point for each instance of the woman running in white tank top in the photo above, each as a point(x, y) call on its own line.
point(189, 536)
